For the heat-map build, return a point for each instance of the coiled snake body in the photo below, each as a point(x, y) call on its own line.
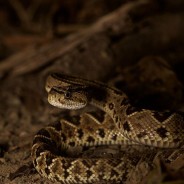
point(131, 126)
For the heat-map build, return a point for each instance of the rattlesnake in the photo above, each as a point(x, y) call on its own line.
point(131, 125)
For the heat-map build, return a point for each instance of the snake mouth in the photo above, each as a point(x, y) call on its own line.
point(65, 104)
point(70, 106)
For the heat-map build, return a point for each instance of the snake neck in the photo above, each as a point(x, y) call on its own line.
point(114, 102)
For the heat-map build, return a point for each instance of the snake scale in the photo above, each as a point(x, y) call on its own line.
point(131, 125)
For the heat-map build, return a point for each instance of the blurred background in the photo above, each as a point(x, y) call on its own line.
point(36, 21)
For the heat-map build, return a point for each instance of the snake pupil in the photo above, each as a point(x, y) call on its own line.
point(67, 94)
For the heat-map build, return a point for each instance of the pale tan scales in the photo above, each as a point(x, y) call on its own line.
point(130, 126)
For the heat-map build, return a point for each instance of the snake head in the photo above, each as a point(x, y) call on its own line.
point(71, 92)
point(67, 97)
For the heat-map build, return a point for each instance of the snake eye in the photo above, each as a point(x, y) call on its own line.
point(67, 94)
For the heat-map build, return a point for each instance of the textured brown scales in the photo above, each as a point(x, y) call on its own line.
point(164, 131)
point(47, 161)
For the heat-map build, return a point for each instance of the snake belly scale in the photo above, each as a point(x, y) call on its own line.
point(121, 123)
